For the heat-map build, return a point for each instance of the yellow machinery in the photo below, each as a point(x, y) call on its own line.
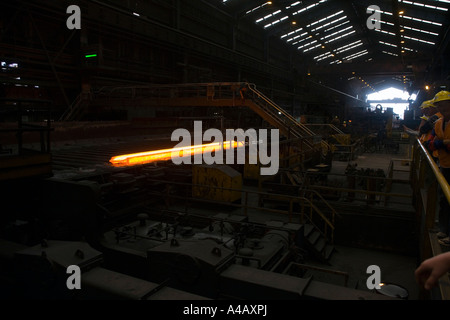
point(214, 182)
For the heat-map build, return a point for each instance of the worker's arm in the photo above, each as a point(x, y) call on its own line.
point(410, 131)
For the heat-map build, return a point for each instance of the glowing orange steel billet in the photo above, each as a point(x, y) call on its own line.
point(167, 154)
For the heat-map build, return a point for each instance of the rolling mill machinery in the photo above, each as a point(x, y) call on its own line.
point(129, 242)
point(142, 227)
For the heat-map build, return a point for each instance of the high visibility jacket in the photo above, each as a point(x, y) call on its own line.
point(427, 131)
point(440, 134)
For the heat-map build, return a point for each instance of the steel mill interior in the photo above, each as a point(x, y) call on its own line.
point(218, 149)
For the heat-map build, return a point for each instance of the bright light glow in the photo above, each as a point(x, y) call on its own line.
point(167, 154)
point(391, 94)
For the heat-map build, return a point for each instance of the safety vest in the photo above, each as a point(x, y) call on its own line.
point(428, 135)
point(444, 154)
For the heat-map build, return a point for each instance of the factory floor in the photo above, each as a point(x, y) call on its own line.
point(354, 261)
point(395, 268)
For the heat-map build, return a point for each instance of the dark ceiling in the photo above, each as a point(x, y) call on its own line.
point(404, 44)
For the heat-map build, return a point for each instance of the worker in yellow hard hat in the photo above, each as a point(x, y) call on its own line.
point(440, 141)
point(430, 116)
point(427, 120)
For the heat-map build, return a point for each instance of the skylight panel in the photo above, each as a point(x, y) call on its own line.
point(297, 37)
point(388, 44)
point(269, 16)
point(412, 18)
point(330, 23)
point(340, 37)
point(275, 22)
point(384, 22)
point(385, 32)
point(419, 40)
point(324, 57)
point(419, 4)
point(312, 48)
point(337, 26)
point(384, 12)
point(291, 33)
point(307, 44)
point(390, 53)
point(356, 55)
point(300, 41)
point(336, 33)
point(309, 7)
point(258, 7)
point(421, 20)
point(293, 4)
point(420, 30)
point(349, 46)
point(325, 19)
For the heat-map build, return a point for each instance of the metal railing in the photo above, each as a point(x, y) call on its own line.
point(426, 180)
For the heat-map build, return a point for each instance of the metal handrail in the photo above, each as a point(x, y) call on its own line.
point(277, 108)
point(439, 177)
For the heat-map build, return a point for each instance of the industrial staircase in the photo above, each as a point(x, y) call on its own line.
point(281, 119)
point(317, 244)
point(276, 115)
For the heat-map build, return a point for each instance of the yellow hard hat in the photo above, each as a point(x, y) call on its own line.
point(441, 96)
point(427, 104)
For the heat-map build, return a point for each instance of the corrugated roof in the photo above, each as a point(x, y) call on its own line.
point(390, 42)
